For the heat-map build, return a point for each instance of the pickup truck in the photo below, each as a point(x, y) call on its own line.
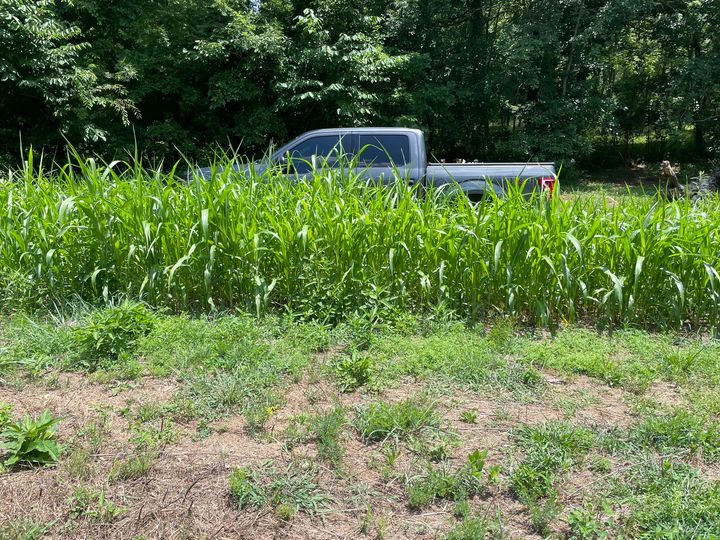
point(386, 154)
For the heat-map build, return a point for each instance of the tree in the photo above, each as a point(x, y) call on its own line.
point(47, 84)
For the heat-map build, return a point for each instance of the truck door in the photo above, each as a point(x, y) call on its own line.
point(384, 157)
point(316, 152)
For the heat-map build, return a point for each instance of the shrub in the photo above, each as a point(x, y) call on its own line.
point(31, 441)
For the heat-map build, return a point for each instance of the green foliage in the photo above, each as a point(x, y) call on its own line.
point(328, 429)
point(108, 333)
point(25, 528)
point(549, 448)
point(47, 79)
point(498, 79)
point(287, 490)
point(411, 418)
point(330, 258)
point(31, 441)
point(681, 430)
point(92, 503)
point(442, 483)
point(353, 371)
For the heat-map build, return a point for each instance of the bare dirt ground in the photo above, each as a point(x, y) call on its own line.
point(184, 493)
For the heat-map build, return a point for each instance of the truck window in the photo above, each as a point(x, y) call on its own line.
point(382, 150)
point(325, 147)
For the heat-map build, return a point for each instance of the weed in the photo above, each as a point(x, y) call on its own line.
point(79, 464)
point(149, 411)
point(266, 485)
point(92, 503)
point(679, 363)
point(410, 418)
point(460, 355)
point(461, 509)
point(438, 452)
point(154, 435)
point(296, 432)
point(95, 432)
point(470, 528)
point(668, 499)
point(391, 451)
point(258, 411)
point(25, 528)
point(31, 441)
point(469, 417)
point(328, 430)
point(442, 483)
point(35, 345)
point(366, 521)
point(600, 464)
point(246, 386)
point(284, 511)
point(108, 333)
point(381, 526)
point(548, 448)
point(133, 466)
point(6, 417)
point(353, 372)
point(681, 430)
point(584, 525)
point(543, 513)
point(500, 333)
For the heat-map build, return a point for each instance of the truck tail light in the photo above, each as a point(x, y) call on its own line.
point(547, 183)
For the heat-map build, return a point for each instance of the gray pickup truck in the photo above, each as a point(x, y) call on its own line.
point(386, 154)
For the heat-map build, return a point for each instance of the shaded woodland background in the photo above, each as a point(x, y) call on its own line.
point(591, 82)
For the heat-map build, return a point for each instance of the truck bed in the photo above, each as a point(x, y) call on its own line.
point(477, 178)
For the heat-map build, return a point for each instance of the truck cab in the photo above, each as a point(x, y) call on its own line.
point(380, 152)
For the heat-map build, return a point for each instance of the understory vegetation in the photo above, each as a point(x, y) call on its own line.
point(426, 425)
